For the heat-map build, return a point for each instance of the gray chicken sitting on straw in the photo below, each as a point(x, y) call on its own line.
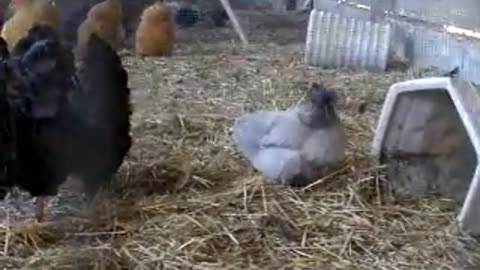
point(297, 146)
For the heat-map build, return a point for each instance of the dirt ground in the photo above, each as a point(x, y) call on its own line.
point(186, 200)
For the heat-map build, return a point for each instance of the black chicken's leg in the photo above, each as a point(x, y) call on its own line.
point(40, 208)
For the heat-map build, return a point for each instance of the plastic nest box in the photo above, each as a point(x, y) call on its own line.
point(428, 134)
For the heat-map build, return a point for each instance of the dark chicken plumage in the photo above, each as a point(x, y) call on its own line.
point(63, 122)
point(40, 81)
point(7, 138)
point(102, 109)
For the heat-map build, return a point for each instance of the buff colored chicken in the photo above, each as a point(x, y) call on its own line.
point(24, 14)
point(155, 35)
point(105, 20)
point(12, 6)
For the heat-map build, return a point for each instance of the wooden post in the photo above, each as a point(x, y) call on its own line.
point(233, 18)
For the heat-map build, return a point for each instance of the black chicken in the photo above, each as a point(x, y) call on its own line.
point(41, 72)
point(64, 122)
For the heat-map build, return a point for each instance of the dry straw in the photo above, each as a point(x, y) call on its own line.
point(186, 200)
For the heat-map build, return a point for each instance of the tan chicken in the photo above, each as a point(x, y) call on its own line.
point(12, 6)
point(46, 13)
point(24, 14)
point(155, 35)
point(105, 20)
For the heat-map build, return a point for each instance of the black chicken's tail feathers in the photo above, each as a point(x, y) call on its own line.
point(103, 107)
point(320, 96)
point(104, 82)
point(101, 54)
point(100, 51)
point(103, 67)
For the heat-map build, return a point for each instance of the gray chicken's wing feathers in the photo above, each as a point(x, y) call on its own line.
point(286, 131)
point(278, 164)
point(249, 129)
point(265, 129)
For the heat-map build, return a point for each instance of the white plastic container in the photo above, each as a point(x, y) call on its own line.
point(430, 129)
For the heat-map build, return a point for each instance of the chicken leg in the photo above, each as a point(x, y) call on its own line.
point(40, 208)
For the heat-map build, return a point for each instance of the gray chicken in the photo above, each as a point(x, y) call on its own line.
point(297, 146)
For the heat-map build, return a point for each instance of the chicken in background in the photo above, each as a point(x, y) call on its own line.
point(26, 14)
point(155, 34)
point(10, 9)
point(105, 20)
point(297, 146)
point(46, 13)
point(12, 6)
point(65, 122)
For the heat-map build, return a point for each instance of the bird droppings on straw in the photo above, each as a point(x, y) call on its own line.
point(186, 200)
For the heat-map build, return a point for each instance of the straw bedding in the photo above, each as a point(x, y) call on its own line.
point(186, 200)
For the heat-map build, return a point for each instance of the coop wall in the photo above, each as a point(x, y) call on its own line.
point(461, 13)
point(428, 44)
